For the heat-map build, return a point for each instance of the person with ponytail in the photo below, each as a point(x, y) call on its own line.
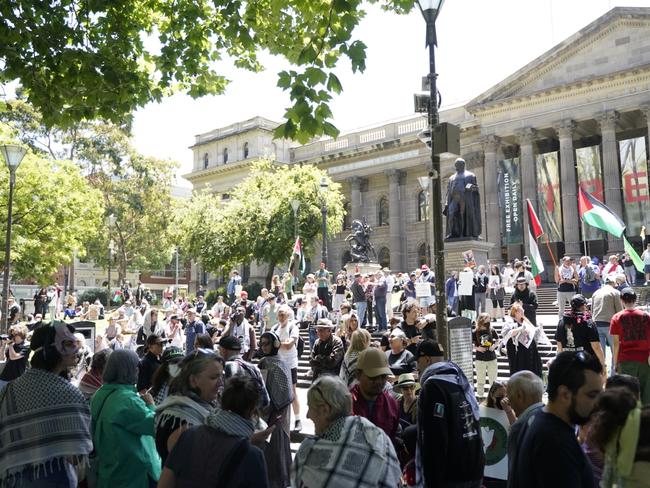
point(621, 430)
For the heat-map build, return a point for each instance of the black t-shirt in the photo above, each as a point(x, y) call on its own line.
point(548, 455)
point(480, 283)
point(14, 369)
point(401, 363)
point(487, 339)
point(576, 333)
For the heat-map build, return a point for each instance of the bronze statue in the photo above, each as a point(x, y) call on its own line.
point(463, 208)
point(359, 240)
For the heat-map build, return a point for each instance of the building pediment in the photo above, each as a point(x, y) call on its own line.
point(616, 42)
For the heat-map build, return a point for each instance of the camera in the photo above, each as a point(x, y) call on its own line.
point(4, 337)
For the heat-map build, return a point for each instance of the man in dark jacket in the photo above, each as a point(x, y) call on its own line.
point(528, 299)
point(359, 298)
point(449, 440)
point(327, 355)
point(150, 362)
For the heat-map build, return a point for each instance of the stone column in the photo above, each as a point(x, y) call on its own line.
point(356, 202)
point(526, 138)
point(394, 219)
point(569, 185)
point(611, 172)
point(491, 224)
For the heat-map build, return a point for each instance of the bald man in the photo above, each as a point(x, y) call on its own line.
point(524, 390)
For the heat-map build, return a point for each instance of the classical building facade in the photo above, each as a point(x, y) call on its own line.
point(576, 116)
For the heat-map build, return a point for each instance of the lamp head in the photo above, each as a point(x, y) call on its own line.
point(295, 205)
point(430, 10)
point(13, 155)
point(324, 184)
point(431, 6)
point(424, 182)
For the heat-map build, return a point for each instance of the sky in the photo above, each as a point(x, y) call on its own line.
point(480, 43)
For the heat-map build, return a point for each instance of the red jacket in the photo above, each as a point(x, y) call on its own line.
point(385, 414)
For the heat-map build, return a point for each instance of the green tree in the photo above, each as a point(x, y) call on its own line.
point(257, 222)
point(133, 188)
point(55, 212)
point(83, 60)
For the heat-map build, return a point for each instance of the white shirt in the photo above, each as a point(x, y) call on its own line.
point(290, 330)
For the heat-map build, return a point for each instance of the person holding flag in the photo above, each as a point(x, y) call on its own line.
point(297, 251)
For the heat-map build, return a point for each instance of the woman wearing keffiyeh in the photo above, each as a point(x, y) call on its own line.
point(277, 377)
point(44, 420)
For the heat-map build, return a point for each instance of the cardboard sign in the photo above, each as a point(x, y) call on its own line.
point(494, 432)
point(465, 283)
point(422, 289)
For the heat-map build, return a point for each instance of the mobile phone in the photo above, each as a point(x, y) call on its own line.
point(275, 420)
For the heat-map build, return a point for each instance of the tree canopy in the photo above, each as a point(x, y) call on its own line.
point(83, 60)
point(55, 212)
point(133, 188)
point(257, 222)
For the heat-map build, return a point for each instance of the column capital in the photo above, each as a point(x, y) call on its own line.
point(565, 128)
point(394, 175)
point(473, 160)
point(607, 120)
point(645, 110)
point(526, 136)
point(491, 143)
point(356, 182)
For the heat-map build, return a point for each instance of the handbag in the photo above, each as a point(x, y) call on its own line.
point(93, 461)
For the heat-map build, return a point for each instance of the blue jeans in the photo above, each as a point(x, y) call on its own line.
point(380, 307)
point(361, 313)
point(606, 340)
point(312, 336)
point(453, 302)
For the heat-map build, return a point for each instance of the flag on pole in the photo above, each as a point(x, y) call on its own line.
point(297, 251)
point(534, 232)
point(597, 214)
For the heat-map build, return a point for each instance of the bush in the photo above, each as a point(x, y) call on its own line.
point(93, 294)
point(254, 290)
point(212, 295)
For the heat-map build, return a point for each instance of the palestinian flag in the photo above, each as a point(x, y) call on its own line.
point(534, 232)
point(297, 251)
point(597, 214)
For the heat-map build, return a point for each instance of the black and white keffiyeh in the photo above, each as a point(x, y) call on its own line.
point(278, 381)
point(180, 410)
point(44, 421)
point(230, 423)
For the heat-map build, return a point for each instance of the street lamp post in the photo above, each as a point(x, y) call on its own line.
point(430, 10)
point(295, 205)
point(424, 184)
point(13, 156)
point(324, 185)
point(111, 250)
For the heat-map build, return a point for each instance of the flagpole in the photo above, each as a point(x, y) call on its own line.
point(584, 238)
point(548, 246)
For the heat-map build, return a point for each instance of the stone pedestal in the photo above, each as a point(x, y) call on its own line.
point(454, 249)
point(363, 268)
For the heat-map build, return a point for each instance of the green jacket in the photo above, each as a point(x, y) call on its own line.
point(123, 434)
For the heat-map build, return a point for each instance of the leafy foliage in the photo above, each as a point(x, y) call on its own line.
point(257, 222)
point(84, 60)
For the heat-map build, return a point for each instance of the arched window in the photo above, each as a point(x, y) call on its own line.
point(383, 211)
point(246, 273)
point(245, 150)
point(345, 259)
point(423, 254)
point(206, 161)
point(423, 208)
point(347, 216)
point(384, 257)
point(225, 155)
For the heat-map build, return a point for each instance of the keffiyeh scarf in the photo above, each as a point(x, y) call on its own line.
point(180, 409)
point(44, 421)
point(278, 381)
point(353, 452)
point(230, 423)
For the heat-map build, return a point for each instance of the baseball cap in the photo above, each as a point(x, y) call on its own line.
point(521, 279)
point(428, 348)
point(628, 293)
point(373, 362)
point(231, 343)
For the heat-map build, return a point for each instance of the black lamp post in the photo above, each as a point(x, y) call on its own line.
point(111, 250)
point(13, 156)
point(324, 185)
point(430, 10)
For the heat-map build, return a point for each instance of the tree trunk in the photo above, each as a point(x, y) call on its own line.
point(269, 275)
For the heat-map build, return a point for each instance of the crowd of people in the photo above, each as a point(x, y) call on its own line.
point(198, 394)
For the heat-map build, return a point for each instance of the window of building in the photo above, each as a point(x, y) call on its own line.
point(423, 208)
point(206, 161)
point(423, 254)
point(347, 216)
point(245, 150)
point(225, 196)
point(225, 155)
point(246, 273)
point(384, 257)
point(383, 211)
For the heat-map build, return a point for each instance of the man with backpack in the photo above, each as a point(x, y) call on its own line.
point(230, 348)
point(589, 276)
point(288, 332)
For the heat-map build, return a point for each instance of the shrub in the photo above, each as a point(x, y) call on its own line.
point(93, 294)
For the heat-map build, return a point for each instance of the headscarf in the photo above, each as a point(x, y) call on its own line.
point(121, 368)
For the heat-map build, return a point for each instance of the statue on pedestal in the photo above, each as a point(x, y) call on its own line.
point(463, 208)
point(359, 240)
